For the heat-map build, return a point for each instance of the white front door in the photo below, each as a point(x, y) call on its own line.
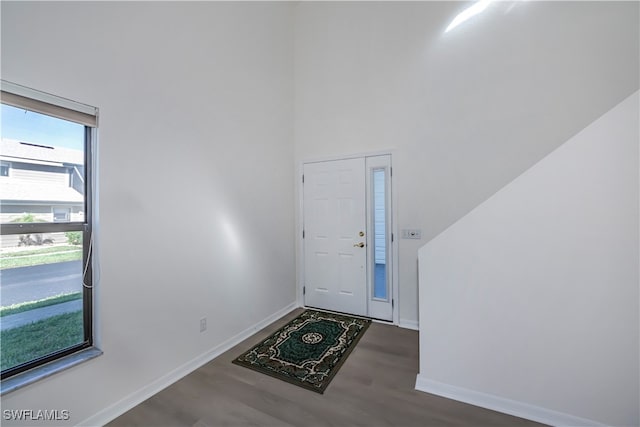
point(335, 251)
point(347, 236)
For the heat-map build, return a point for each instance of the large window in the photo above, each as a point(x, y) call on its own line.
point(46, 202)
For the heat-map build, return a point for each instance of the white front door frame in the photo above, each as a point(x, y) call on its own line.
point(394, 226)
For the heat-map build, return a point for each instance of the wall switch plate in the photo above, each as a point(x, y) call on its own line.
point(203, 324)
point(411, 234)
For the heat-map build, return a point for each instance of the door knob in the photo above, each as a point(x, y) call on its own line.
point(359, 245)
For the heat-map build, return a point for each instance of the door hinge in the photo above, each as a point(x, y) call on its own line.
point(390, 171)
point(303, 234)
point(303, 178)
point(304, 290)
point(391, 237)
point(392, 303)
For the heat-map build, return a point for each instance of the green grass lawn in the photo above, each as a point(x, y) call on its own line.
point(41, 250)
point(46, 255)
point(29, 342)
point(30, 305)
point(38, 339)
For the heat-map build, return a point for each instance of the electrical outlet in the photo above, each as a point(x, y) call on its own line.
point(411, 234)
point(203, 324)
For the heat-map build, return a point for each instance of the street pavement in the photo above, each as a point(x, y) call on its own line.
point(39, 281)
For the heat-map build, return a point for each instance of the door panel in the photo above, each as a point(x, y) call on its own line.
point(334, 215)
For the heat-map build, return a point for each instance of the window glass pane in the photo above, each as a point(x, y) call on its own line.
point(41, 295)
point(380, 235)
point(43, 179)
point(46, 158)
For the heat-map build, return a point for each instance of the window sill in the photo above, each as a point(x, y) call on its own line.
point(36, 374)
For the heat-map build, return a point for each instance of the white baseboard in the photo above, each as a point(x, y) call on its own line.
point(500, 404)
point(409, 324)
point(110, 413)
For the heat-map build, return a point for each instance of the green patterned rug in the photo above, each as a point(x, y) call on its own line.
point(307, 351)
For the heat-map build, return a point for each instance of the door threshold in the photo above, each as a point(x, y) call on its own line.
point(337, 312)
point(373, 319)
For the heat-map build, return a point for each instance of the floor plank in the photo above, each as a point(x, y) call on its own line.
point(374, 387)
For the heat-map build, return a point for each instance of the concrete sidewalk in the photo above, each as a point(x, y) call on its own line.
point(30, 316)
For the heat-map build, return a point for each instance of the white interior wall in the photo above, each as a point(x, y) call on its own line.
point(195, 182)
point(466, 112)
point(529, 304)
point(195, 87)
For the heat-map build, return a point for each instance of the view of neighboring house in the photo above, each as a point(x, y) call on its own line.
point(45, 181)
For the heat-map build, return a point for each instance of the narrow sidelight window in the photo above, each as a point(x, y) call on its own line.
point(380, 288)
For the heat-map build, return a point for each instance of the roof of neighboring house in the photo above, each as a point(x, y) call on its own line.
point(20, 192)
point(11, 192)
point(27, 152)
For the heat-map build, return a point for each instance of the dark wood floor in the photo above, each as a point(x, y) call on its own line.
point(374, 387)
